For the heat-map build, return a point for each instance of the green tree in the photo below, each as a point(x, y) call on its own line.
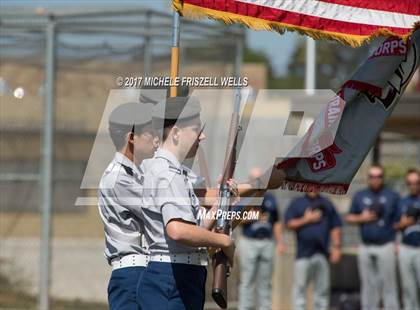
point(252, 56)
point(335, 63)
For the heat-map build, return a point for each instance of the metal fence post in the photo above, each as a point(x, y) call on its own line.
point(147, 56)
point(47, 166)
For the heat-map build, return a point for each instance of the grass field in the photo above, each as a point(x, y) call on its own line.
point(13, 298)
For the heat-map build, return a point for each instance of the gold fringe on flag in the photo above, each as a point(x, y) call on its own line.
point(197, 12)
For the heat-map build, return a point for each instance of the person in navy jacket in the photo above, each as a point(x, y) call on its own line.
point(315, 221)
point(409, 254)
point(375, 210)
point(260, 240)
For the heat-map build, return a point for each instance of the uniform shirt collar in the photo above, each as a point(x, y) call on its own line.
point(175, 162)
point(378, 192)
point(169, 157)
point(414, 197)
point(124, 160)
point(318, 197)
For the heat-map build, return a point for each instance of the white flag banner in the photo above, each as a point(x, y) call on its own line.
point(370, 96)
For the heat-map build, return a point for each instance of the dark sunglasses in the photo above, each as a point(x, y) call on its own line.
point(412, 183)
point(376, 176)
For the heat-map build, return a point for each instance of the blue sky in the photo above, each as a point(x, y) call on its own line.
point(278, 47)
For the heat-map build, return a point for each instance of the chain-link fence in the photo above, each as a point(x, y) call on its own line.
point(91, 49)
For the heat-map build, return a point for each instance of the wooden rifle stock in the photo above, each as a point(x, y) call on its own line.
point(220, 273)
point(220, 262)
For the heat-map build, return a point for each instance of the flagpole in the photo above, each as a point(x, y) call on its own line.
point(175, 51)
point(310, 73)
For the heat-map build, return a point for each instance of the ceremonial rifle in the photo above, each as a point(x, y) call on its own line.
point(220, 263)
point(237, 132)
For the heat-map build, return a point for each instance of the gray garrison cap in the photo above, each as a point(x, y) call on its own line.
point(176, 108)
point(155, 94)
point(131, 114)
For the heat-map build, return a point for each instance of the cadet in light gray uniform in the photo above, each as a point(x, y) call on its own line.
point(176, 274)
point(119, 194)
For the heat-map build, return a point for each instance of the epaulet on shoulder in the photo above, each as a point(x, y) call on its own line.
point(113, 177)
point(156, 166)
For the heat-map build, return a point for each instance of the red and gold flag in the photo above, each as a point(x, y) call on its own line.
point(347, 21)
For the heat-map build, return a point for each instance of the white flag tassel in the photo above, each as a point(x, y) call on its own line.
point(370, 97)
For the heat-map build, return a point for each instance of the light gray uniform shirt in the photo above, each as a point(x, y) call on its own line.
point(167, 194)
point(119, 199)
